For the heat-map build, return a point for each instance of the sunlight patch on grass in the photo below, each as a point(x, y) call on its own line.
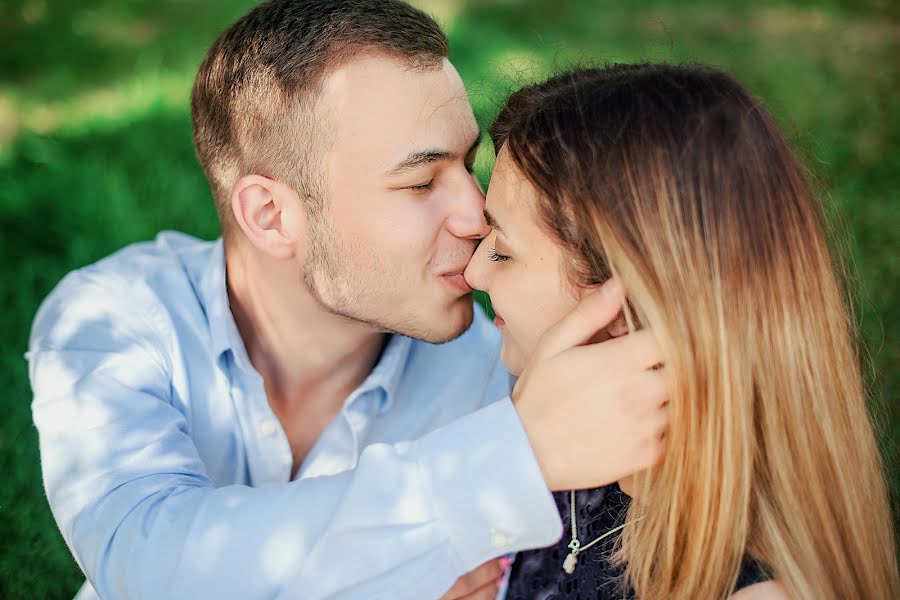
point(152, 88)
point(778, 23)
point(34, 11)
point(97, 25)
point(9, 121)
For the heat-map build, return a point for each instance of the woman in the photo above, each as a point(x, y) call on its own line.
point(675, 180)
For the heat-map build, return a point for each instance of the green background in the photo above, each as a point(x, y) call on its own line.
point(95, 153)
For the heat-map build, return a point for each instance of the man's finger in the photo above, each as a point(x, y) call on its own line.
point(636, 351)
point(594, 312)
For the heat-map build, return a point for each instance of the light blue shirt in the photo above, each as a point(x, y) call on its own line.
point(170, 476)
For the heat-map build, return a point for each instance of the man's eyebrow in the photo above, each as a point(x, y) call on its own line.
point(417, 159)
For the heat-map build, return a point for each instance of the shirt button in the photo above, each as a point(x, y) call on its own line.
point(267, 428)
point(498, 540)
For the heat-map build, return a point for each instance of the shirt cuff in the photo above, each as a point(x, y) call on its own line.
point(486, 485)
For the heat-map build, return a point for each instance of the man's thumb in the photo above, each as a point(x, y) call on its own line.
point(596, 310)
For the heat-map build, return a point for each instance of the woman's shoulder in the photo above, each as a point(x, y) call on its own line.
point(766, 590)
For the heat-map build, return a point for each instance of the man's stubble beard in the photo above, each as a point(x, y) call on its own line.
point(344, 287)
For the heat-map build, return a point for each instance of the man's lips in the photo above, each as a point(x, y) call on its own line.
point(498, 320)
point(457, 281)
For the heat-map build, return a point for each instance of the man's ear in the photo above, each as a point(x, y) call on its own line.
point(269, 214)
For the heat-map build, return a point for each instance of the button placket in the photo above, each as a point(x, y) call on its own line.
point(358, 414)
point(275, 456)
point(499, 539)
point(267, 427)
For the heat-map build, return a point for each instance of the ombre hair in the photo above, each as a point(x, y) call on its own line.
point(678, 181)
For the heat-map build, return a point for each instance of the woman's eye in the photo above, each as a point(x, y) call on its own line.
point(494, 257)
point(470, 168)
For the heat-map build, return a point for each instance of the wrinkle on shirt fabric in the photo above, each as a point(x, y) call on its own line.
point(169, 475)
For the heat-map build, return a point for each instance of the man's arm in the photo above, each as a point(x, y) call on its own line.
point(129, 491)
point(131, 497)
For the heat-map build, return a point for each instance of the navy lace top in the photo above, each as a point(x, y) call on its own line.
point(538, 574)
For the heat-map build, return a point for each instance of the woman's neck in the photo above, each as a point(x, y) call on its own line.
point(629, 484)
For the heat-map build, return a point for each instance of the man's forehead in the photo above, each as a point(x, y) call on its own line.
point(380, 78)
point(382, 100)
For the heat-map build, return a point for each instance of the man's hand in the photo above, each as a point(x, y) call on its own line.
point(593, 413)
point(478, 584)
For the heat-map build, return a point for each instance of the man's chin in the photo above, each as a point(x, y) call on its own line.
point(445, 327)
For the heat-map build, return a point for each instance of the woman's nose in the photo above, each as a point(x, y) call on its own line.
point(476, 273)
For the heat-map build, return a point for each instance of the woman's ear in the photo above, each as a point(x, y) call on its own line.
point(268, 213)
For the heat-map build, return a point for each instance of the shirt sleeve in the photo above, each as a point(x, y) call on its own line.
point(131, 497)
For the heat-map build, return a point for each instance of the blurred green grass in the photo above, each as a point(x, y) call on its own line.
point(95, 153)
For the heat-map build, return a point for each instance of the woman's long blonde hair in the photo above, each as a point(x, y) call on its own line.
point(679, 181)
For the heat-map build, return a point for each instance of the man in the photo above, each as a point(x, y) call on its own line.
point(252, 418)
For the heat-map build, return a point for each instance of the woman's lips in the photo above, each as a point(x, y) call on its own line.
point(498, 320)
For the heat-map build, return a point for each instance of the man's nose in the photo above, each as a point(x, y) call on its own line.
point(476, 273)
point(467, 219)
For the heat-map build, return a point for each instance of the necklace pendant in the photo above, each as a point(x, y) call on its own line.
point(570, 563)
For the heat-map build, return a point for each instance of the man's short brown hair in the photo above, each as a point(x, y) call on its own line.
point(253, 104)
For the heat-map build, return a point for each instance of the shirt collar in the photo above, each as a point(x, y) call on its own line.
point(224, 334)
point(388, 371)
